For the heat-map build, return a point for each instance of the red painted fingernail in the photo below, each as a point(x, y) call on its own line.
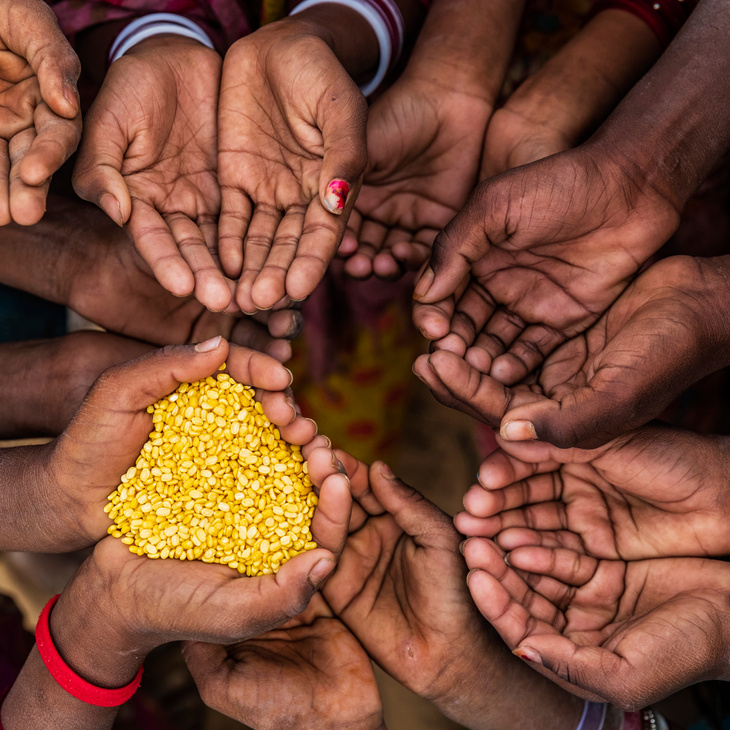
point(336, 196)
point(529, 655)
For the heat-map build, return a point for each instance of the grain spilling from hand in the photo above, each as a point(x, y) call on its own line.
point(215, 482)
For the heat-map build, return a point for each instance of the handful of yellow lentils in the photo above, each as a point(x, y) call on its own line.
point(215, 482)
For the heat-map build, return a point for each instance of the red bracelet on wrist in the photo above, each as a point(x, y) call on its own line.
point(75, 685)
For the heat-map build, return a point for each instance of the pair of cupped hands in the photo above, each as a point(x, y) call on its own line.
point(276, 651)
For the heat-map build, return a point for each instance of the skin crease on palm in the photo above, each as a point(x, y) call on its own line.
point(629, 633)
point(655, 492)
point(539, 253)
point(148, 159)
point(40, 122)
point(667, 326)
point(278, 160)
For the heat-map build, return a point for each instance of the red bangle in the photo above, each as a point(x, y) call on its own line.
point(76, 686)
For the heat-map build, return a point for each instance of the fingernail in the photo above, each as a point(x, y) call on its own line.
point(69, 94)
point(296, 328)
point(340, 466)
point(506, 559)
point(529, 655)
point(322, 570)
point(518, 431)
point(336, 196)
point(470, 573)
point(110, 205)
point(424, 283)
point(386, 471)
point(461, 546)
point(291, 377)
point(208, 345)
point(314, 423)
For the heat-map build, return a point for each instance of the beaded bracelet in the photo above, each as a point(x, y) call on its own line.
point(75, 685)
point(156, 24)
point(386, 20)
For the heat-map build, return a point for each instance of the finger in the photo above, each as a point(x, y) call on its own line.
point(525, 354)
point(500, 332)
point(474, 310)
point(248, 333)
point(514, 537)
point(412, 512)
point(349, 243)
point(359, 475)
point(500, 468)
point(369, 243)
point(567, 566)
point(97, 175)
point(256, 247)
point(257, 369)
point(270, 284)
point(471, 526)
point(287, 323)
point(211, 288)
point(332, 515)
point(208, 663)
point(321, 236)
point(542, 488)
point(236, 213)
point(51, 58)
point(157, 246)
point(56, 140)
point(27, 204)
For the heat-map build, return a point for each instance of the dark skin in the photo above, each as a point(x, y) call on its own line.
point(425, 135)
point(148, 159)
point(310, 672)
point(40, 122)
point(76, 256)
point(630, 632)
point(652, 493)
point(400, 589)
point(66, 482)
point(280, 150)
point(669, 326)
point(540, 252)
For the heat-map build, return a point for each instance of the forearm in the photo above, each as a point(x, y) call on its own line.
point(467, 44)
point(579, 86)
point(88, 643)
point(675, 123)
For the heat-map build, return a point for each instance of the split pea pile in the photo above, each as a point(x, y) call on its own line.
point(215, 482)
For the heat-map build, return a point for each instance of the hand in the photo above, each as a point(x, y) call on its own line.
point(400, 588)
point(652, 493)
point(105, 436)
point(291, 156)
point(148, 159)
point(424, 143)
point(669, 326)
point(40, 122)
point(540, 253)
point(312, 672)
point(630, 633)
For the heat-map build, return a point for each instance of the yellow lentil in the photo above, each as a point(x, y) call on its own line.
point(215, 482)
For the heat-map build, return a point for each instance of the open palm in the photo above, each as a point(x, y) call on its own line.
point(148, 158)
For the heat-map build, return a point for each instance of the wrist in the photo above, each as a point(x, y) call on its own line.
point(343, 30)
point(89, 633)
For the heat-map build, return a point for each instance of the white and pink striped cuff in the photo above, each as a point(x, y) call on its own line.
point(156, 24)
point(386, 20)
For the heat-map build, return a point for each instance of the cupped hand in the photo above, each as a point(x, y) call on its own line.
point(148, 159)
point(540, 253)
point(655, 492)
point(668, 327)
point(400, 588)
point(105, 436)
point(291, 157)
point(106, 281)
point(424, 144)
point(40, 121)
point(311, 672)
point(630, 633)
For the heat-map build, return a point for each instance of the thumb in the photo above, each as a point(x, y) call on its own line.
point(413, 513)
point(208, 663)
point(591, 668)
point(33, 33)
point(585, 418)
point(343, 125)
point(97, 176)
point(455, 250)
